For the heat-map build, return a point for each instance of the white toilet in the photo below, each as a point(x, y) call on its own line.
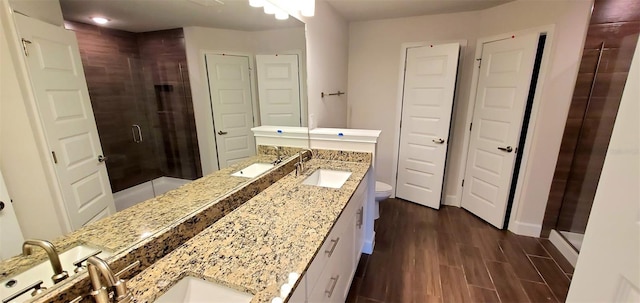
point(383, 192)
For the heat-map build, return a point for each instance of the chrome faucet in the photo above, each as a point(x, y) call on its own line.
point(300, 164)
point(98, 267)
point(58, 273)
point(279, 155)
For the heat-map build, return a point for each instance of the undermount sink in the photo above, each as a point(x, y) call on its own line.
point(253, 170)
point(191, 289)
point(43, 271)
point(327, 178)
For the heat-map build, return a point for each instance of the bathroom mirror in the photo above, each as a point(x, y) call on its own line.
point(176, 87)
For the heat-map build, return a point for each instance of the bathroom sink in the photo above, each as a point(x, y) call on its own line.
point(191, 289)
point(253, 170)
point(327, 178)
point(43, 271)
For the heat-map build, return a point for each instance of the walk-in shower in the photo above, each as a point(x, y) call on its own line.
point(139, 89)
point(608, 51)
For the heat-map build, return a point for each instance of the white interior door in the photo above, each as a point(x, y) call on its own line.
point(11, 238)
point(503, 86)
point(62, 97)
point(429, 87)
point(608, 268)
point(279, 90)
point(230, 92)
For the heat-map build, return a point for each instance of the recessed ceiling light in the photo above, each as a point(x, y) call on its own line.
point(100, 20)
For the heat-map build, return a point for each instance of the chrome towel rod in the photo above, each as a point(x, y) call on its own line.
point(339, 93)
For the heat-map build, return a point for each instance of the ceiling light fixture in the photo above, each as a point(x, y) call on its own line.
point(256, 3)
point(281, 15)
point(100, 20)
point(269, 8)
point(282, 8)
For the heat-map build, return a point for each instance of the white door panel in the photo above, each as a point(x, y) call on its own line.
point(429, 84)
point(279, 89)
point(503, 86)
point(230, 91)
point(62, 98)
point(608, 268)
point(11, 238)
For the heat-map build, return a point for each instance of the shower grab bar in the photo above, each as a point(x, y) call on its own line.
point(133, 132)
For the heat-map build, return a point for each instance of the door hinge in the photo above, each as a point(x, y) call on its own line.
point(25, 42)
point(470, 126)
point(462, 182)
point(55, 158)
point(479, 62)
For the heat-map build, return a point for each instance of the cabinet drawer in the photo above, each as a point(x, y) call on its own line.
point(329, 249)
point(334, 281)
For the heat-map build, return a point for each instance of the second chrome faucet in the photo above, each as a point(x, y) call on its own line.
point(58, 273)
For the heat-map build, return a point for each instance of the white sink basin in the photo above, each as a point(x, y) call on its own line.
point(327, 178)
point(43, 271)
point(191, 289)
point(253, 170)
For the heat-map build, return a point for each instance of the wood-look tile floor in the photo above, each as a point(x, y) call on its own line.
point(449, 255)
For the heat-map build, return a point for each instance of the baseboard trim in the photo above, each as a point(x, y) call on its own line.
point(564, 247)
point(451, 200)
point(367, 248)
point(526, 229)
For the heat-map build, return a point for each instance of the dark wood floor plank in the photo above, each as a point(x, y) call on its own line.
point(483, 295)
point(374, 285)
point(367, 300)
point(352, 296)
point(519, 260)
point(427, 275)
point(507, 284)
point(421, 256)
point(488, 245)
point(538, 292)
point(473, 265)
point(400, 275)
point(460, 223)
point(553, 275)
point(532, 246)
point(454, 286)
point(448, 253)
point(362, 266)
point(557, 255)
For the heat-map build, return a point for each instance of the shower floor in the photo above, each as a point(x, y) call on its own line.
point(145, 191)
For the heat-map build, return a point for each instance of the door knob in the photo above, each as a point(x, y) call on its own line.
point(222, 133)
point(1, 205)
point(102, 158)
point(506, 149)
point(438, 141)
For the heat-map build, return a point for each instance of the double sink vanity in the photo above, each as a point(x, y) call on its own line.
point(263, 230)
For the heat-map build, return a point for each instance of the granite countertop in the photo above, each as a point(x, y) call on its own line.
point(255, 247)
point(124, 229)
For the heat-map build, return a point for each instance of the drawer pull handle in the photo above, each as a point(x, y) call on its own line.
point(333, 246)
point(332, 282)
point(360, 217)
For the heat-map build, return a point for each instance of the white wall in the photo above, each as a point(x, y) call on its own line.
point(327, 59)
point(374, 68)
point(20, 159)
point(199, 40)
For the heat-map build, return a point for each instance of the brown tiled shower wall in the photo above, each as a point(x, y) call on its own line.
point(590, 123)
point(141, 79)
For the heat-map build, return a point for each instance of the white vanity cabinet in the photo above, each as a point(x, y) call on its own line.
point(329, 276)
